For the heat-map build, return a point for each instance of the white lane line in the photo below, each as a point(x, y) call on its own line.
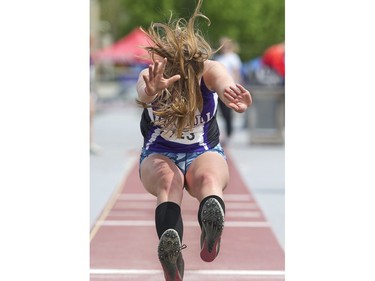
point(125, 271)
point(131, 213)
point(145, 213)
point(243, 214)
point(254, 224)
point(149, 197)
point(142, 205)
point(239, 272)
point(135, 205)
point(105, 271)
point(136, 196)
point(241, 206)
point(237, 197)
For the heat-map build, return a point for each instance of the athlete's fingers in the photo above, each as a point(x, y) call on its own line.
point(238, 107)
point(156, 68)
point(235, 90)
point(242, 107)
point(230, 93)
point(242, 89)
point(147, 81)
point(245, 95)
point(161, 67)
point(163, 63)
point(174, 79)
point(233, 106)
point(230, 98)
point(150, 72)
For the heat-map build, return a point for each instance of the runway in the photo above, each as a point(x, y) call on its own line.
point(124, 241)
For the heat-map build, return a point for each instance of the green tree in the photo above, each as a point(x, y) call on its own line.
point(254, 24)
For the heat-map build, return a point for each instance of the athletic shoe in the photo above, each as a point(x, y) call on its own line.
point(212, 217)
point(170, 256)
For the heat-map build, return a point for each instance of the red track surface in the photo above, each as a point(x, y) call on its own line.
point(124, 240)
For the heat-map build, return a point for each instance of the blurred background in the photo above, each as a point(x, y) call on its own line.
point(257, 30)
point(255, 25)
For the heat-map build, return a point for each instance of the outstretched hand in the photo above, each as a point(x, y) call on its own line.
point(239, 98)
point(155, 82)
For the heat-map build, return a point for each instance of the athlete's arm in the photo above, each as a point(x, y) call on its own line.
point(234, 95)
point(151, 81)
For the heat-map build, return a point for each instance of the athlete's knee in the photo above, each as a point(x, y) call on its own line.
point(214, 181)
point(169, 183)
point(206, 179)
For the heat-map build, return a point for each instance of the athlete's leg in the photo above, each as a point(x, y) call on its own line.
point(162, 178)
point(207, 175)
point(206, 179)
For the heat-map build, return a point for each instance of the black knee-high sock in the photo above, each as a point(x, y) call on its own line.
point(168, 215)
point(221, 202)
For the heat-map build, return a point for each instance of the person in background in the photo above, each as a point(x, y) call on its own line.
point(230, 59)
point(179, 92)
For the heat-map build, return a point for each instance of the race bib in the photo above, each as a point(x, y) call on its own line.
point(194, 136)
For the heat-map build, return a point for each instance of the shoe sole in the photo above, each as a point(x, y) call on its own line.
point(168, 252)
point(212, 227)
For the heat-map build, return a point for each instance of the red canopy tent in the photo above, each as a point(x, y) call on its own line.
point(128, 50)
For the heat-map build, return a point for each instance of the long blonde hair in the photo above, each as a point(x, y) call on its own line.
point(186, 50)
